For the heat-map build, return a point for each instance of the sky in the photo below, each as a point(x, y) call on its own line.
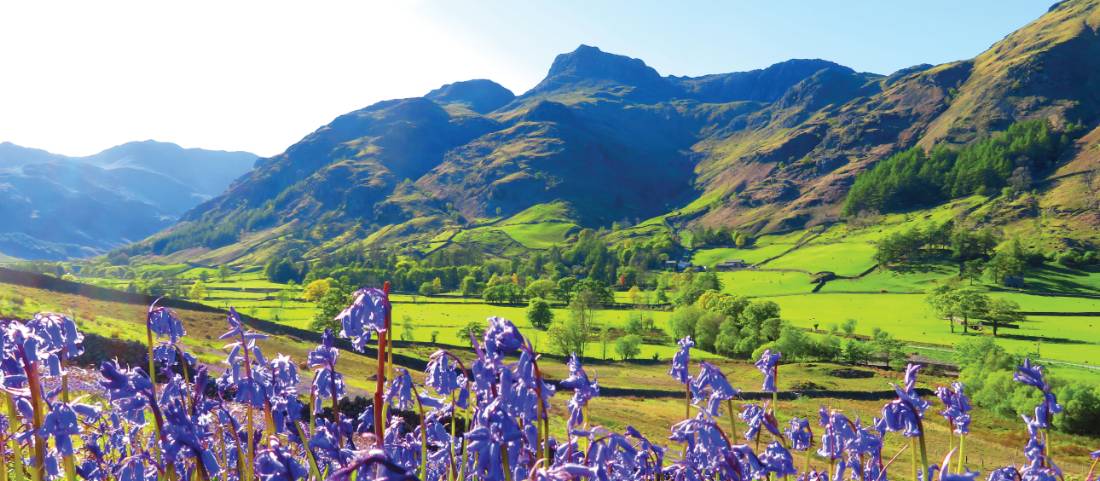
point(79, 76)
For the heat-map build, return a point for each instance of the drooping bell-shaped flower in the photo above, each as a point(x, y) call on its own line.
point(800, 434)
point(365, 315)
point(275, 463)
point(778, 460)
point(768, 364)
point(164, 322)
point(681, 360)
point(956, 407)
point(327, 382)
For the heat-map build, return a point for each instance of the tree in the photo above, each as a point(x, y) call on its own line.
point(542, 288)
point(198, 291)
point(597, 292)
point(856, 352)
point(707, 328)
point(1003, 312)
point(204, 276)
point(628, 346)
point(223, 272)
point(334, 301)
point(470, 286)
point(317, 289)
point(474, 329)
point(972, 270)
point(683, 321)
point(539, 314)
point(570, 335)
point(428, 288)
point(1005, 264)
point(605, 339)
point(890, 349)
point(637, 298)
point(849, 327)
point(407, 328)
point(505, 293)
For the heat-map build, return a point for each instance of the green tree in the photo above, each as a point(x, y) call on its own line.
point(197, 291)
point(335, 300)
point(470, 286)
point(683, 321)
point(628, 346)
point(1003, 312)
point(539, 313)
point(407, 328)
point(317, 289)
point(887, 347)
point(542, 288)
point(475, 329)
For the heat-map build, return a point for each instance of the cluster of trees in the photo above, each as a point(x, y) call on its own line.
point(974, 250)
point(504, 290)
point(702, 237)
point(986, 369)
point(965, 305)
point(915, 178)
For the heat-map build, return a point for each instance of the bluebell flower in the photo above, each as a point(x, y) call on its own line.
point(1007, 473)
point(768, 364)
point(366, 314)
point(399, 392)
point(1032, 375)
point(756, 417)
point(800, 434)
point(164, 322)
point(680, 361)
point(184, 438)
point(58, 335)
point(326, 380)
point(129, 390)
point(441, 375)
point(62, 424)
point(956, 407)
point(778, 460)
point(710, 378)
point(276, 464)
point(501, 338)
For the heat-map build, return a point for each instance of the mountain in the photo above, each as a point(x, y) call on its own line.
point(605, 139)
point(57, 207)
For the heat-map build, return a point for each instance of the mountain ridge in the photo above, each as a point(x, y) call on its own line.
point(611, 138)
point(57, 206)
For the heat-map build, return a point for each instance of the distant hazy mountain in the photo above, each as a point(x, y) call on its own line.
point(54, 206)
point(605, 138)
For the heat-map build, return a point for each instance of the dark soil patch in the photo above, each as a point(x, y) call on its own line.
point(849, 373)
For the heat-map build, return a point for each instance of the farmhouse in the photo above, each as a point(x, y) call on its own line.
point(731, 265)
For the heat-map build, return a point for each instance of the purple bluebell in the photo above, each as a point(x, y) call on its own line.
point(276, 464)
point(327, 382)
point(441, 375)
point(681, 360)
point(711, 385)
point(399, 392)
point(129, 390)
point(164, 322)
point(756, 417)
point(800, 434)
point(768, 364)
point(956, 407)
point(501, 338)
point(58, 334)
point(778, 460)
point(1007, 473)
point(184, 438)
point(366, 314)
point(62, 424)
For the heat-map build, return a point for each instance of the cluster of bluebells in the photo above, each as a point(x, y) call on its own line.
point(485, 419)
